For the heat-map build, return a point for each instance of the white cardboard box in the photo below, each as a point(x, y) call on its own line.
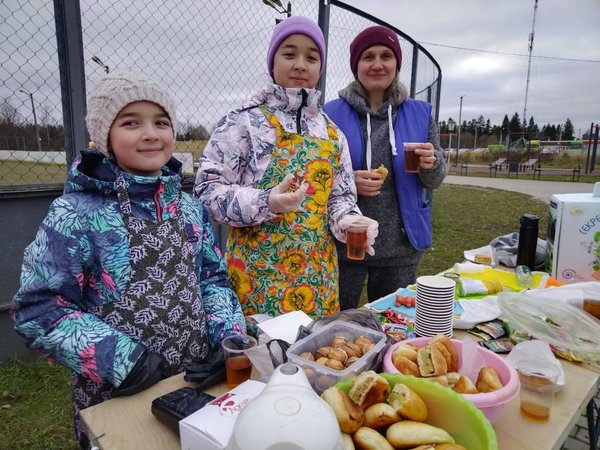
point(211, 427)
point(573, 242)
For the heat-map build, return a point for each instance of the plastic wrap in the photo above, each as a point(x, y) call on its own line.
point(563, 326)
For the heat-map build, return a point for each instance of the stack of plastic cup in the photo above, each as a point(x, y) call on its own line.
point(434, 306)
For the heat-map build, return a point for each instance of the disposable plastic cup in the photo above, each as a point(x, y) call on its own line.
point(411, 159)
point(356, 242)
point(238, 366)
point(538, 384)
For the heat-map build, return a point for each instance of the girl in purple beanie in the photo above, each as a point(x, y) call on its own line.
point(277, 171)
point(377, 117)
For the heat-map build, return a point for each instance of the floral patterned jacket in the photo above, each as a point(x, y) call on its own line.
point(80, 259)
point(239, 152)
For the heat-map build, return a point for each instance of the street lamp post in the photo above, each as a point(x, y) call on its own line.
point(451, 124)
point(35, 124)
point(459, 127)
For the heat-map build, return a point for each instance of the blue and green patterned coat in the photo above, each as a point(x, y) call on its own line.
point(80, 259)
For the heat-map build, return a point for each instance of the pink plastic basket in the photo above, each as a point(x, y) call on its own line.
point(491, 403)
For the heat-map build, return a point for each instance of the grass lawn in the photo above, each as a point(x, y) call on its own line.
point(35, 410)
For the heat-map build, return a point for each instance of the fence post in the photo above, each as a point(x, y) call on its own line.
point(323, 21)
point(69, 40)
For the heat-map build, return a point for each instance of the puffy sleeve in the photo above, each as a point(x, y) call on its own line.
point(224, 181)
point(342, 200)
point(49, 310)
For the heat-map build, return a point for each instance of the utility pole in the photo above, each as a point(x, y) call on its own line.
point(459, 127)
point(529, 66)
point(35, 124)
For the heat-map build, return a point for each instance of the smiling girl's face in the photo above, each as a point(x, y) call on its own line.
point(297, 63)
point(141, 138)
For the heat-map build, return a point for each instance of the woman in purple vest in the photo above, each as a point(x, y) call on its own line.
point(377, 117)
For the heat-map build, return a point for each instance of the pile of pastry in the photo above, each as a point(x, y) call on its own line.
point(341, 352)
point(438, 361)
point(373, 416)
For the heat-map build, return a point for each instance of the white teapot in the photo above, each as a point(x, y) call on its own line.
point(287, 415)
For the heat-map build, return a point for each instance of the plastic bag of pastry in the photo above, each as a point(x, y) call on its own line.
point(468, 287)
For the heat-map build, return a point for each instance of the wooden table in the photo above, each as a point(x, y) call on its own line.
point(128, 423)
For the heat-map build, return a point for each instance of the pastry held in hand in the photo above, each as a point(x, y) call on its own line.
point(383, 171)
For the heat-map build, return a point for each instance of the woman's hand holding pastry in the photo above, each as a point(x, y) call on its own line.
point(368, 182)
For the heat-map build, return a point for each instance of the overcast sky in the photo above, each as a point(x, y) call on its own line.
point(470, 39)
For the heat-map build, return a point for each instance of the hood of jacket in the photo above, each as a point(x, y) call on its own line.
point(288, 100)
point(92, 171)
point(355, 95)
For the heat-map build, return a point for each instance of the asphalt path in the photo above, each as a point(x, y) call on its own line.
point(539, 189)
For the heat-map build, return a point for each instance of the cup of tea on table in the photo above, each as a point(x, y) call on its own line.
point(238, 366)
point(538, 384)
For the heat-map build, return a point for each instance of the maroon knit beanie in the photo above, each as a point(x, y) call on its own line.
point(376, 35)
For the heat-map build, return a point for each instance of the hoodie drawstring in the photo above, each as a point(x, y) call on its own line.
point(391, 133)
point(368, 141)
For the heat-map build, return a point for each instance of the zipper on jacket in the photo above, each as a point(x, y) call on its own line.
point(299, 113)
point(157, 194)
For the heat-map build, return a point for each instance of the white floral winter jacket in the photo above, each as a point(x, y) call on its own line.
point(239, 152)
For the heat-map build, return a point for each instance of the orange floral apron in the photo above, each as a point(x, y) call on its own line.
point(290, 263)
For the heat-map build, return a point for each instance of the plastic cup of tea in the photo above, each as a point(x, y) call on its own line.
point(538, 385)
point(411, 159)
point(238, 366)
point(356, 242)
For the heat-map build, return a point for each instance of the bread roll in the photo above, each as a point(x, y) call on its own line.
point(409, 434)
point(405, 365)
point(452, 378)
point(407, 351)
point(383, 171)
point(488, 380)
point(407, 403)
point(348, 414)
point(380, 415)
point(369, 388)
point(440, 379)
point(445, 353)
point(449, 447)
point(369, 439)
point(446, 342)
point(431, 362)
point(464, 385)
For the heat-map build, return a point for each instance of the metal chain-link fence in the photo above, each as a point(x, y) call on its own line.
point(210, 54)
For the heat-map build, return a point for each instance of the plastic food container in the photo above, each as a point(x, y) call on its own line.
point(448, 410)
point(321, 377)
point(490, 403)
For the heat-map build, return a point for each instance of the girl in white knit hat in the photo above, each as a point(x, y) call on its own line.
point(124, 283)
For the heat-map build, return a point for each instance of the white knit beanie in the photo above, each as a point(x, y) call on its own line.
point(115, 91)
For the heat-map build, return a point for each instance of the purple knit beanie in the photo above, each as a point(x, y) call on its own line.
point(376, 35)
point(295, 25)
